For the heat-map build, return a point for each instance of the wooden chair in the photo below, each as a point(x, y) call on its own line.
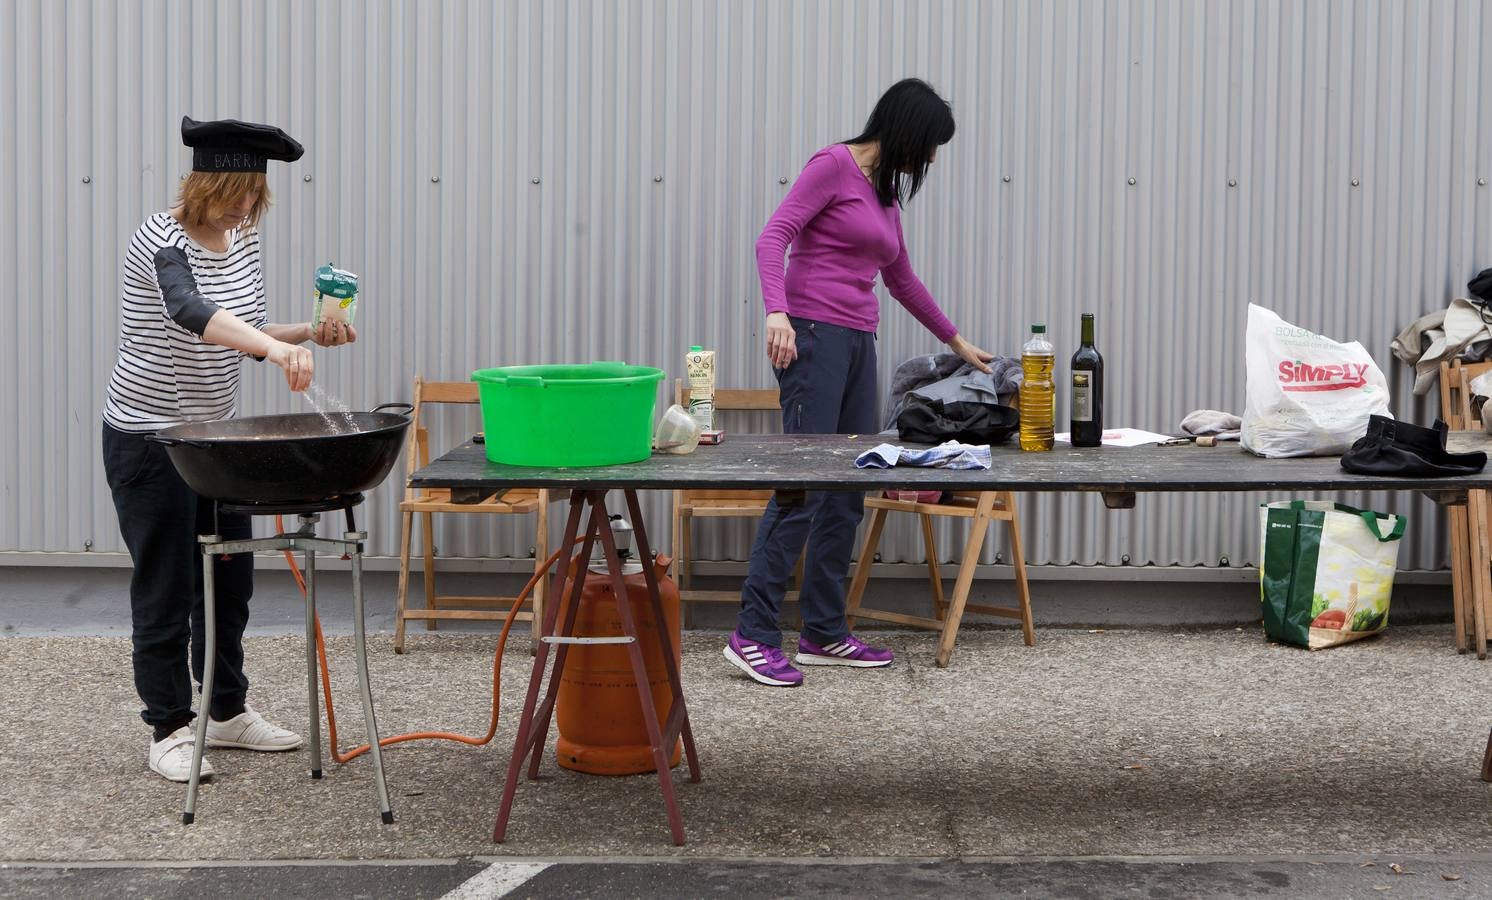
point(427, 502)
point(982, 507)
point(708, 504)
point(1472, 615)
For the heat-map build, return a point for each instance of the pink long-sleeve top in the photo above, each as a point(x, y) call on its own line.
point(841, 236)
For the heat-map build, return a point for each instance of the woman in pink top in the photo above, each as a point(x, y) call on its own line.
point(842, 219)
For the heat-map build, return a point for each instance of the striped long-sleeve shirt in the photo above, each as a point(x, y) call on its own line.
point(165, 372)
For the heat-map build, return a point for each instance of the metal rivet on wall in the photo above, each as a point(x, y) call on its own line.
point(1232, 182)
point(878, 557)
point(1006, 179)
point(782, 181)
point(1355, 182)
point(657, 179)
point(1124, 560)
point(1223, 561)
point(1481, 182)
point(435, 179)
point(87, 179)
point(999, 559)
point(306, 178)
point(533, 181)
point(1131, 182)
point(88, 544)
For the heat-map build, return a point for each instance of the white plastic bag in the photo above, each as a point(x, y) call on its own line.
point(1308, 395)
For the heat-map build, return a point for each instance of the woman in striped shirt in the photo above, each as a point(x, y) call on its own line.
point(192, 305)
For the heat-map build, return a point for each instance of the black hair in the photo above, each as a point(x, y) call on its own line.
point(910, 122)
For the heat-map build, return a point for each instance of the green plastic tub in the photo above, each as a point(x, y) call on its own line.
point(599, 414)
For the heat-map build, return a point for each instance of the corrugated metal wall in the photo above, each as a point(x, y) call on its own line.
point(558, 181)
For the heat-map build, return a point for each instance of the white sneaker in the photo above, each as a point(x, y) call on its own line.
point(249, 731)
point(171, 757)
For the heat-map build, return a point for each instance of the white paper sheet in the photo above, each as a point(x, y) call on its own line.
point(1121, 437)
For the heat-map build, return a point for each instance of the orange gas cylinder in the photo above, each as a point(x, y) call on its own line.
point(601, 728)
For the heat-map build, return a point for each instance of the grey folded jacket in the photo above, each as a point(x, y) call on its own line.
point(946, 377)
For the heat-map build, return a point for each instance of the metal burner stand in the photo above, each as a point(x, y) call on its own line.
point(305, 540)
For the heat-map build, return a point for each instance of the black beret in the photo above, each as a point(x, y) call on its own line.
point(228, 145)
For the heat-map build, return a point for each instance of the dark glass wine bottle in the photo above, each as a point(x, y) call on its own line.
point(1087, 390)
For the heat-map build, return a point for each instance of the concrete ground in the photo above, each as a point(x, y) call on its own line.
point(1154, 762)
point(1114, 743)
point(603, 879)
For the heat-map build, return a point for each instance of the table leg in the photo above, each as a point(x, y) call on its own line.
point(313, 702)
point(661, 753)
point(560, 621)
point(541, 657)
point(565, 627)
point(671, 657)
point(1460, 574)
point(965, 582)
point(1481, 567)
point(364, 681)
point(1487, 761)
point(209, 657)
point(856, 593)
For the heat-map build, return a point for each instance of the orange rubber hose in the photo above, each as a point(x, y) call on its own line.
point(326, 682)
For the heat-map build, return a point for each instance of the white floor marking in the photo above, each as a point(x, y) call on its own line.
point(497, 880)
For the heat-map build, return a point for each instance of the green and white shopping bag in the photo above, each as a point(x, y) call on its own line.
point(1326, 571)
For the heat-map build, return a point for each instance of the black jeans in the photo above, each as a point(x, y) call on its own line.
point(829, 389)
point(160, 518)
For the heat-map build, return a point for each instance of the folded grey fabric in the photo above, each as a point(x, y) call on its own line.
point(1224, 425)
point(946, 377)
point(948, 455)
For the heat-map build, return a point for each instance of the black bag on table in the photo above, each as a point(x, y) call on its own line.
point(1481, 285)
point(923, 421)
point(1398, 448)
